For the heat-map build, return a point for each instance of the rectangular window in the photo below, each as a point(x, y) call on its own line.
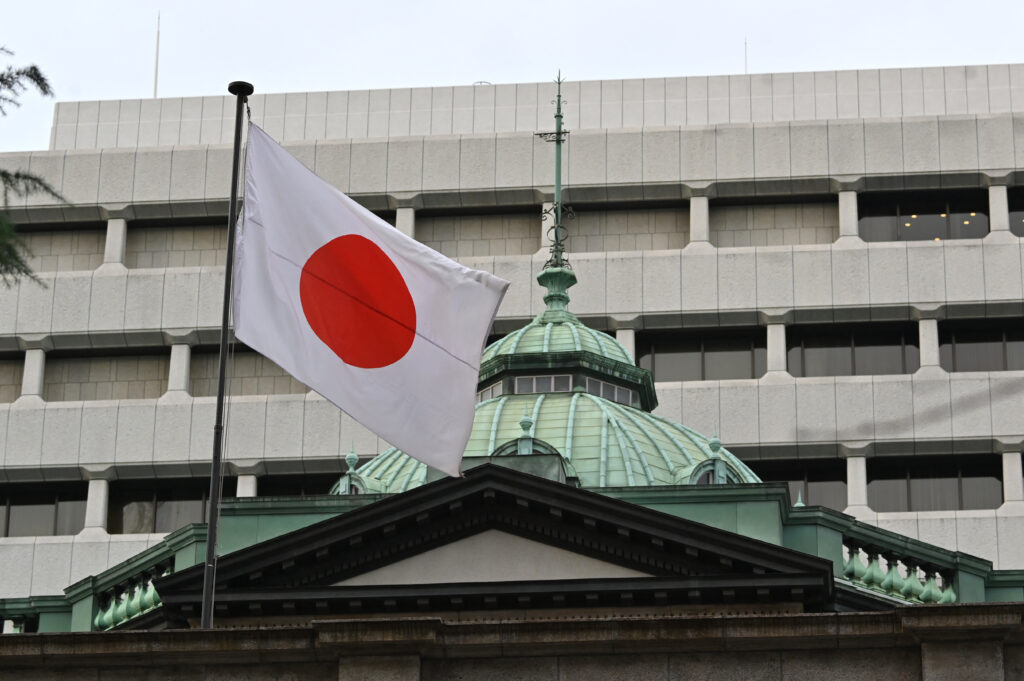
point(818, 482)
point(703, 354)
point(1015, 198)
point(982, 345)
point(935, 483)
point(159, 506)
point(868, 349)
point(923, 216)
point(42, 509)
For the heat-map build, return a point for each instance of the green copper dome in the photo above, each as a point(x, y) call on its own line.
point(605, 444)
point(559, 387)
point(556, 329)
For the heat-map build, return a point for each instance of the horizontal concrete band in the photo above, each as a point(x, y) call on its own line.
point(699, 284)
point(930, 412)
point(481, 108)
point(508, 168)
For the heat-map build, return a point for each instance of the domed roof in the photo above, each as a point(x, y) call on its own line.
point(607, 444)
point(556, 329)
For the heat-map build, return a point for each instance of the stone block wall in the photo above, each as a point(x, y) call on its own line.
point(10, 378)
point(469, 235)
point(249, 374)
point(783, 224)
point(628, 230)
point(64, 250)
point(178, 246)
point(105, 378)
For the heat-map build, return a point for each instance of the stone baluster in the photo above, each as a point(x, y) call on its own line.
point(893, 582)
point(912, 586)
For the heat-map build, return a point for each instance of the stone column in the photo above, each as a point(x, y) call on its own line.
point(246, 486)
point(928, 342)
point(627, 337)
point(998, 209)
point(857, 486)
point(97, 504)
point(33, 374)
point(1013, 478)
point(776, 348)
point(405, 221)
point(178, 374)
point(848, 215)
point(700, 219)
point(117, 235)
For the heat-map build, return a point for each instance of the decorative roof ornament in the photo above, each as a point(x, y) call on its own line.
point(557, 230)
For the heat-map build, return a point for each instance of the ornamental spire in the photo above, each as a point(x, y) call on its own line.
point(557, 230)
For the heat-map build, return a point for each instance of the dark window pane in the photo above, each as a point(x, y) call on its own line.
point(831, 493)
point(923, 226)
point(542, 384)
point(172, 515)
point(945, 350)
point(878, 228)
point(295, 485)
point(608, 391)
point(70, 516)
point(827, 354)
point(911, 358)
point(3, 517)
point(1015, 349)
point(980, 350)
point(968, 225)
point(981, 492)
point(563, 384)
point(727, 358)
point(888, 495)
point(678, 361)
point(934, 494)
point(30, 519)
point(760, 361)
point(524, 384)
point(794, 360)
point(877, 354)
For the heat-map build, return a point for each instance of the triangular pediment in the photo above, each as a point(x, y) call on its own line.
point(499, 538)
point(492, 556)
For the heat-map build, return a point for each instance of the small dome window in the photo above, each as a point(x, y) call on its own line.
point(491, 391)
point(561, 383)
point(612, 392)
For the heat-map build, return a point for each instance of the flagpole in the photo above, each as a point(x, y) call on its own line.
point(241, 90)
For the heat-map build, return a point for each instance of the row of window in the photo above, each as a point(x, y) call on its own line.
point(914, 483)
point(865, 349)
point(560, 383)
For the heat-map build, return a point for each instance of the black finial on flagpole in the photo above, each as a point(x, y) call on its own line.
point(241, 90)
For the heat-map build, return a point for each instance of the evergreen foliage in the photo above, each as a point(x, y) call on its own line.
point(15, 81)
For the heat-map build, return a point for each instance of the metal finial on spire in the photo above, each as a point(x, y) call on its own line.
point(557, 230)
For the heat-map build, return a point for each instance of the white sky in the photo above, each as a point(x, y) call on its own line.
point(104, 49)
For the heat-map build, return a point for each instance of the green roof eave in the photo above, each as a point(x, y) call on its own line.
point(590, 363)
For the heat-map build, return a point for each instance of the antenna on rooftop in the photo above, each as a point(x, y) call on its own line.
point(156, 66)
point(557, 258)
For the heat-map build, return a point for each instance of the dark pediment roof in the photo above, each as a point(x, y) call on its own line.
point(690, 563)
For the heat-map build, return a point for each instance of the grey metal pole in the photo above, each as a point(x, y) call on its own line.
point(241, 90)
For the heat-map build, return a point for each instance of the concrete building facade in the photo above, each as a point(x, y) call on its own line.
point(824, 269)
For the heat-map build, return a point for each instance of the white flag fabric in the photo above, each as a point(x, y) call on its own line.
point(379, 324)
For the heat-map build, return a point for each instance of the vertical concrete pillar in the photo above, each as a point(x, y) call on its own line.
point(848, 214)
point(627, 337)
point(117, 235)
point(700, 219)
point(405, 221)
point(928, 342)
point(856, 481)
point(998, 209)
point(34, 373)
point(246, 486)
point(97, 504)
point(178, 374)
point(776, 348)
point(1013, 477)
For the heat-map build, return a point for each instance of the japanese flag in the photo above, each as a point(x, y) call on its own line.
point(382, 326)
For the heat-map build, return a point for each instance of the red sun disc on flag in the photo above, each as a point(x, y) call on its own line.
point(357, 302)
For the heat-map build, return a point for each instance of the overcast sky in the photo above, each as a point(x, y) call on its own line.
point(104, 49)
